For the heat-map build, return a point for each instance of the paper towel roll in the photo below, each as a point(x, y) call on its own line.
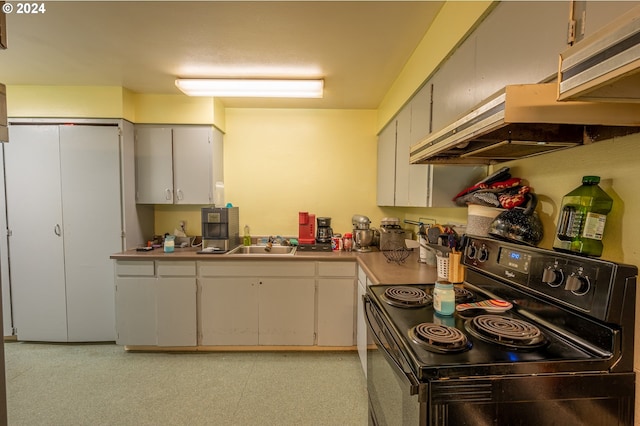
point(218, 198)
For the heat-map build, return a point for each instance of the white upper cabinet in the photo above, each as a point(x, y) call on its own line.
point(417, 185)
point(154, 165)
point(177, 165)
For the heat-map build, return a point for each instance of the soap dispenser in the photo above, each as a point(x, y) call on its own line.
point(246, 240)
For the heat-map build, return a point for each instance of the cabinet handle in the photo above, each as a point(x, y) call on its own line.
point(180, 195)
point(167, 194)
point(57, 230)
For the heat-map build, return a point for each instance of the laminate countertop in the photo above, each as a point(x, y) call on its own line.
point(374, 263)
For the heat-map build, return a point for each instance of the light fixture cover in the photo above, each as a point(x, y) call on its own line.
point(259, 88)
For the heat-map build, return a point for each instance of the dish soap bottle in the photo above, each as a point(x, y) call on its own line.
point(246, 239)
point(582, 219)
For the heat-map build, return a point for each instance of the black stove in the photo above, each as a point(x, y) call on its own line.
point(569, 335)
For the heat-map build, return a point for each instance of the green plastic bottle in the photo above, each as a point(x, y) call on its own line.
point(582, 219)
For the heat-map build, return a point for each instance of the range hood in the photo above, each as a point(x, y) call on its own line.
point(521, 121)
point(604, 66)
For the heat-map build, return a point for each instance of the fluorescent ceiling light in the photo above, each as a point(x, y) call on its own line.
point(258, 88)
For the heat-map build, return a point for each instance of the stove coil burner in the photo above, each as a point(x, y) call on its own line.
point(463, 295)
point(505, 331)
point(439, 338)
point(406, 297)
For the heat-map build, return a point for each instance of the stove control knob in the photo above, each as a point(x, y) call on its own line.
point(472, 251)
point(577, 284)
point(552, 276)
point(483, 254)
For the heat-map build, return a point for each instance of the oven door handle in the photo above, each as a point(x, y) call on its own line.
point(404, 375)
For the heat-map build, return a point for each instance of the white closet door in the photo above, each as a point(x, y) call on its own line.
point(7, 322)
point(90, 177)
point(34, 216)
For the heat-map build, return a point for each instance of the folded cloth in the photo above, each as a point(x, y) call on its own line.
point(492, 187)
point(488, 199)
point(513, 197)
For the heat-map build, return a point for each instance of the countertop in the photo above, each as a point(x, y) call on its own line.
point(374, 263)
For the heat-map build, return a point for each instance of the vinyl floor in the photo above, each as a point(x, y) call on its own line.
point(101, 384)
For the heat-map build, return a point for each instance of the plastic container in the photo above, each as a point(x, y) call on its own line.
point(444, 298)
point(169, 243)
point(347, 241)
point(442, 267)
point(336, 242)
point(246, 239)
point(582, 219)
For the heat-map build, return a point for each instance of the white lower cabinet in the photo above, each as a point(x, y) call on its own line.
point(275, 305)
point(336, 299)
point(235, 303)
point(362, 332)
point(156, 303)
point(135, 303)
point(228, 311)
point(176, 303)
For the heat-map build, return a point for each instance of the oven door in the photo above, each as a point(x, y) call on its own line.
point(395, 394)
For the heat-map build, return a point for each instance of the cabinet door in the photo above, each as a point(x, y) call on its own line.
point(228, 311)
point(336, 311)
point(90, 179)
point(34, 216)
point(176, 311)
point(533, 54)
point(154, 165)
point(136, 311)
point(386, 165)
point(192, 159)
point(362, 337)
point(287, 311)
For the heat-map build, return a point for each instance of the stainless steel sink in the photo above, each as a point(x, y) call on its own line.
point(260, 250)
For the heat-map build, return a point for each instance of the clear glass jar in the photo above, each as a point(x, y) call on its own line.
point(444, 298)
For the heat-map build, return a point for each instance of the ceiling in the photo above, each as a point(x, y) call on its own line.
point(358, 47)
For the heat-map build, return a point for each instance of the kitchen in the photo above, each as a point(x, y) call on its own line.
point(342, 142)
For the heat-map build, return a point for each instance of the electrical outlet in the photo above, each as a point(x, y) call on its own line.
point(183, 226)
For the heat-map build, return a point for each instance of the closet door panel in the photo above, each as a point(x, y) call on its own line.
point(34, 217)
point(90, 177)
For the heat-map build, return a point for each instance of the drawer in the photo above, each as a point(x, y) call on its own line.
point(250, 268)
point(176, 268)
point(336, 269)
point(135, 268)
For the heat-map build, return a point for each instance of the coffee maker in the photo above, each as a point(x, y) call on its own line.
point(306, 228)
point(220, 229)
point(324, 230)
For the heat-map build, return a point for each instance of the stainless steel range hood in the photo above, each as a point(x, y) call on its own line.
point(606, 65)
point(522, 121)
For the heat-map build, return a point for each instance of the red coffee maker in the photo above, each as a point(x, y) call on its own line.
point(306, 228)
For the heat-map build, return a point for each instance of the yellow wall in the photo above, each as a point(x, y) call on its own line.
point(66, 101)
point(282, 161)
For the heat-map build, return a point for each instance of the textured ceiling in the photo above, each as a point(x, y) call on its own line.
point(357, 47)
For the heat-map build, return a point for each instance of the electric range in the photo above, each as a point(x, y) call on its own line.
point(563, 353)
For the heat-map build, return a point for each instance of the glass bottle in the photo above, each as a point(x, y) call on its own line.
point(582, 219)
point(444, 298)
